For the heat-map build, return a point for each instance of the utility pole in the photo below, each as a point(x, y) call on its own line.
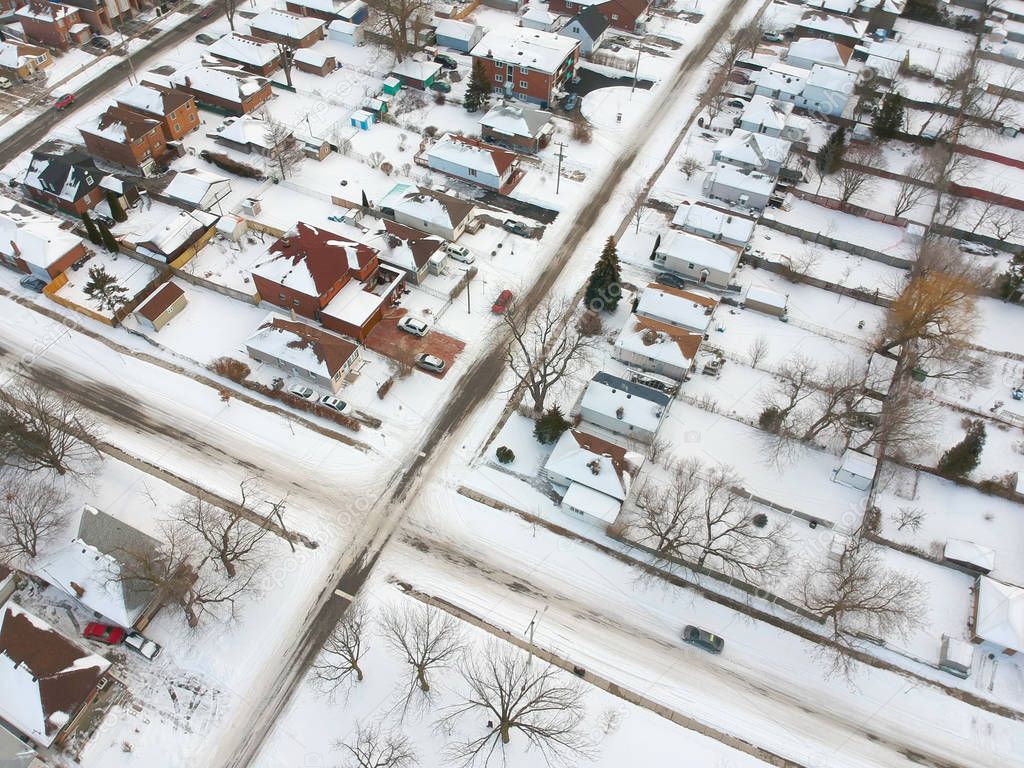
point(469, 284)
point(561, 155)
point(636, 67)
point(533, 625)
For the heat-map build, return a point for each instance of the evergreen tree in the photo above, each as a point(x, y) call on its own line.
point(478, 92)
point(550, 426)
point(963, 457)
point(90, 228)
point(104, 289)
point(831, 153)
point(115, 207)
point(108, 239)
point(889, 117)
point(605, 287)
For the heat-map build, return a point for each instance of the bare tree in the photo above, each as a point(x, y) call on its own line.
point(859, 596)
point(40, 429)
point(757, 351)
point(853, 176)
point(32, 510)
point(339, 659)
point(232, 539)
point(906, 423)
point(426, 638)
point(793, 385)
point(230, 8)
point(522, 696)
point(545, 347)
point(286, 56)
point(690, 165)
point(910, 192)
point(401, 22)
point(909, 517)
point(370, 747)
point(1007, 225)
point(638, 204)
point(284, 149)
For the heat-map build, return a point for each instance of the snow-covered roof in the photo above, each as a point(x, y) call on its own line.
point(12, 55)
point(286, 24)
point(193, 185)
point(416, 70)
point(45, 677)
point(1000, 614)
point(767, 296)
point(246, 130)
point(700, 251)
point(471, 155)
point(427, 204)
point(32, 235)
point(525, 47)
point(311, 57)
point(539, 14)
point(761, 110)
point(345, 27)
point(636, 246)
point(230, 84)
point(457, 30)
point(303, 346)
point(858, 464)
point(731, 176)
point(516, 120)
point(833, 25)
point(595, 463)
point(312, 260)
point(831, 79)
point(60, 169)
point(46, 11)
point(632, 404)
point(756, 149)
point(821, 51)
point(325, 6)
point(403, 247)
point(594, 503)
point(146, 99)
point(970, 552)
point(245, 50)
point(686, 309)
point(175, 233)
point(658, 341)
point(355, 304)
point(698, 216)
point(780, 77)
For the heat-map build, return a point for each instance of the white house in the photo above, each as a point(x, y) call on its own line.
point(345, 32)
point(827, 90)
point(473, 161)
point(705, 220)
point(999, 615)
point(252, 54)
point(808, 51)
point(856, 470)
point(303, 351)
point(595, 473)
point(657, 347)
point(752, 152)
point(827, 26)
point(198, 188)
point(414, 252)
point(688, 310)
point(762, 299)
point(697, 258)
point(539, 17)
point(458, 35)
point(589, 26)
point(624, 408)
point(427, 209)
point(747, 190)
point(773, 118)
point(779, 81)
point(517, 125)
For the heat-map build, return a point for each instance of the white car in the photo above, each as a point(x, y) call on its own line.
point(330, 401)
point(5, 83)
point(459, 253)
point(978, 249)
point(306, 393)
point(431, 363)
point(414, 326)
point(147, 649)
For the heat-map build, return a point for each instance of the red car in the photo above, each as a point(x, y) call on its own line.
point(504, 299)
point(207, 12)
point(104, 633)
point(65, 101)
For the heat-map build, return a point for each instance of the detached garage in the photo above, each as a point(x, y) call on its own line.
point(161, 307)
point(458, 35)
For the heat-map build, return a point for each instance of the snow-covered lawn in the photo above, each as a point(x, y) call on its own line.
point(129, 273)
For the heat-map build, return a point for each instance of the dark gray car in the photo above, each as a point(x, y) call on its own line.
point(702, 639)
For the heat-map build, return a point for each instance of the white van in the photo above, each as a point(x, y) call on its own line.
point(459, 253)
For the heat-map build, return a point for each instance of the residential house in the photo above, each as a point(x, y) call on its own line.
point(346, 32)
point(349, 11)
point(969, 556)
point(232, 90)
point(176, 110)
point(160, 308)
point(747, 190)
point(841, 29)
point(752, 152)
point(657, 347)
point(460, 36)
point(63, 176)
point(880, 14)
point(250, 135)
point(705, 220)
point(47, 680)
point(539, 17)
point(885, 58)
point(198, 188)
point(519, 126)
point(414, 252)
point(287, 29)
point(359, 306)
point(415, 73)
point(780, 81)
point(808, 51)
point(249, 53)
point(856, 470)
point(15, 751)
point(595, 474)
point(473, 161)
point(53, 25)
point(106, 15)
point(761, 299)
point(36, 243)
point(684, 309)
point(621, 407)
point(773, 118)
point(998, 615)
point(827, 90)
point(427, 209)
point(126, 138)
point(96, 568)
point(303, 351)
point(172, 238)
point(588, 26)
point(22, 61)
point(315, 62)
point(528, 64)
point(697, 258)
point(627, 15)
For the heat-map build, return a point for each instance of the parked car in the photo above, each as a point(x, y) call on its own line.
point(516, 227)
point(306, 393)
point(414, 326)
point(440, 86)
point(102, 217)
point(33, 283)
point(147, 649)
point(446, 62)
point(772, 36)
point(431, 363)
point(738, 103)
point(670, 279)
point(65, 101)
point(978, 249)
point(459, 253)
point(502, 302)
point(102, 43)
point(5, 83)
point(702, 639)
point(104, 633)
point(207, 12)
point(206, 39)
point(330, 401)
point(569, 102)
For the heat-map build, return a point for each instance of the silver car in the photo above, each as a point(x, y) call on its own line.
point(330, 401)
point(147, 649)
point(414, 326)
point(431, 363)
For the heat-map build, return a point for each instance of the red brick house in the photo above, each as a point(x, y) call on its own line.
point(58, 26)
point(251, 54)
point(176, 110)
point(287, 28)
point(62, 176)
point(620, 14)
point(314, 62)
point(126, 138)
point(528, 64)
point(232, 90)
point(36, 243)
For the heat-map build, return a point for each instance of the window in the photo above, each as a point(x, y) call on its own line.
point(524, 70)
point(498, 78)
point(177, 127)
point(615, 17)
point(689, 266)
point(295, 302)
point(472, 171)
point(523, 84)
point(282, 297)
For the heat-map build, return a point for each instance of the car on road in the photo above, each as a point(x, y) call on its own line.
point(516, 227)
point(771, 36)
point(440, 86)
point(207, 12)
point(102, 43)
point(5, 83)
point(65, 101)
point(147, 649)
point(446, 62)
point(413, 325)
point(978, 249)
point(570, 101)
point(33, 283)
point(670, 279)
point(431, 363)
point(703, 639)
point(306, 393)
point(459, 253)
point(206, 39)
point(107, 634)
point(330, 401)
point(502, 302)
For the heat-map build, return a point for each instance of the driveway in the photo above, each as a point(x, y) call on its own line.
point(387, 339)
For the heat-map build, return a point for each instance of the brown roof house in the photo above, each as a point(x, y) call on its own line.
point(233, 90)
point(658, 347)
point(52, 24)
point(46, 679)
point(23, 61)
point(127, 139)
point(161, 307)
point(473, 161)
point(414, 252)
point(303, 351)
point(435, 212)
point(287, 28)
point(176, 110)
point(251, 54)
